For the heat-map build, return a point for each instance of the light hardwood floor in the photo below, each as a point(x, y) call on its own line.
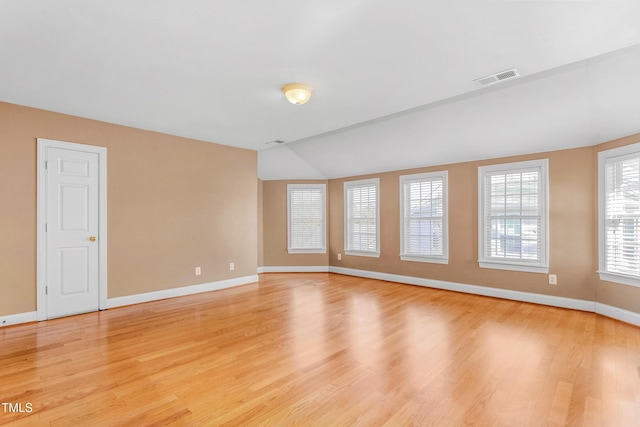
point(327, 350)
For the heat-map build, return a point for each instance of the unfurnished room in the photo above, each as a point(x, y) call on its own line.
point(320, 213)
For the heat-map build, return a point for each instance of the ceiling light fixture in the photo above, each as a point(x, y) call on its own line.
point(297, 93)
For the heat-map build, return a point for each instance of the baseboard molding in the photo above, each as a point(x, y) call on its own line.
point(553, 301)
point(260, 270)
point(295, 269)
point(179, 292)
point(596, 307)
point(618, 314)
point(14, 319)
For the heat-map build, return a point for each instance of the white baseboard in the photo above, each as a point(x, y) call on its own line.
point(618, 313)
point(596, 307)
point(295, 269)
point(554, 301)
point(179, 292)
point(260, 270)
point(14, 319)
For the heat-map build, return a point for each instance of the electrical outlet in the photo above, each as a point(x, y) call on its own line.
point(339, 257)
point(232, 266)
point(553, 279)
point(198, 271)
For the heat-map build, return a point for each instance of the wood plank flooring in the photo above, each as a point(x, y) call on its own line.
point(323, 350)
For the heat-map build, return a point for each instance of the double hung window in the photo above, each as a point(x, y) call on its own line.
point(362, 217)
point(513, 216)
point(423, 217)
point(619, 214)
point(306, 218)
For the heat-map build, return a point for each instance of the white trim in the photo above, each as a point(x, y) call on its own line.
point(307, 251)
point(179, 292)
point(41, 264)
point(550, 300)
point(618, 314)
point(598, 308)
point(486, 262)
point(515, 267)
point(14, 319)
point(619, 278)
point(103, 235)
point(430, 259)
point(295, 269)
point(421, 177)
point(323, 249)
point(358, 183)
point(362, 253)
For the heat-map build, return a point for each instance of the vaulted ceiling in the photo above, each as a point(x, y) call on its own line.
point(394, 81)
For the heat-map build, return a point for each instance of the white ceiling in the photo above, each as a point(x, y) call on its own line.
point(393, 80)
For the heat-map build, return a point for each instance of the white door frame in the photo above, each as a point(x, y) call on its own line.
point(43, 145)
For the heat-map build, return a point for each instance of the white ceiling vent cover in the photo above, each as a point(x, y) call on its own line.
point(275, 141)
point(497, 77)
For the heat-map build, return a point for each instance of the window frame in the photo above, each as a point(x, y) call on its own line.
point(356, 184)
point(621, 153)
point(290, 248)
point(484, 261)
point(422, 177)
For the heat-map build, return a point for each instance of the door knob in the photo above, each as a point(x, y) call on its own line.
point(92, 238)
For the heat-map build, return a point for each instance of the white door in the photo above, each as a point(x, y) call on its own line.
point(71, 230)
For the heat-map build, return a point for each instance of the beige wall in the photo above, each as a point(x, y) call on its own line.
point(260, 223)
point(572, 226)
point(615, 294)
point(173, 204)
point(176, 203)
point(275, 228)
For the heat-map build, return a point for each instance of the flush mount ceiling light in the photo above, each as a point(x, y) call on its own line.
point(297, 93)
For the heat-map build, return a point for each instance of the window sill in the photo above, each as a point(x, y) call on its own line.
point(307, 251)
point(432, 260)
point(367, 254)
point(619, 278)
point(515, 267)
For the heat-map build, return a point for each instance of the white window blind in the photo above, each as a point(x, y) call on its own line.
point(306, 218)
point(620, 221)
point(423, 218)
point(513, 216)
point(362, 226)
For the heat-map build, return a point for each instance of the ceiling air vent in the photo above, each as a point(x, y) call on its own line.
point(275, 141)
point(497, 77)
